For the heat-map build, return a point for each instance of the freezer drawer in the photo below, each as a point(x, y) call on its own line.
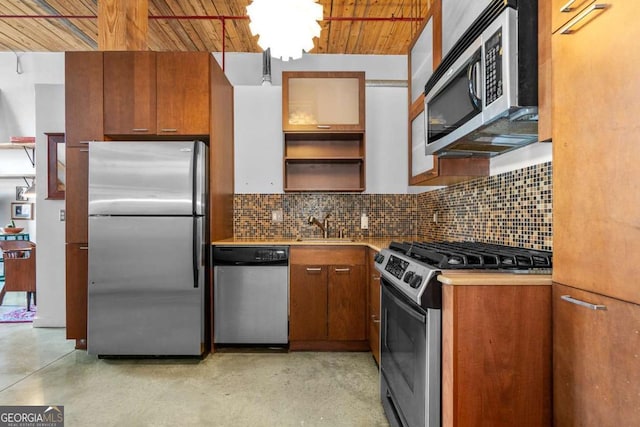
point(146, 293)
point(147, 178)
point(251, 304)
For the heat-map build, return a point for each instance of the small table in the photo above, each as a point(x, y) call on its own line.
point(10, 236)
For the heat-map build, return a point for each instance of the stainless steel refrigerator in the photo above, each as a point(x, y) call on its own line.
point(147, 248)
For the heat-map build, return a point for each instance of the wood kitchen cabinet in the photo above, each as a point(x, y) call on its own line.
point(496, 355)
point(323, 101)
point(323, 119)
point(84, 122)
point(156, 93)
point(76, 260)
point(596, 202)
point(544, 71)
point(595, 359)
point(77, 195)
point(129, 93)
point(327, 299)
point(374, 307)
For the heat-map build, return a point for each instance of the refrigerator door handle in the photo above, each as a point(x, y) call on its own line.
point(195, 255)
point(194, 178)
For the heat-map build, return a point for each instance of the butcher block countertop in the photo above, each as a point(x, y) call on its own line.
point(481, 278)
point(376, 243)
point(455, 278)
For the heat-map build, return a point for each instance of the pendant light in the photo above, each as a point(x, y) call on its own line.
point(287, 27)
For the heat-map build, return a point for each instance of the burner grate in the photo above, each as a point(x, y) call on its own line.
point(473, 255)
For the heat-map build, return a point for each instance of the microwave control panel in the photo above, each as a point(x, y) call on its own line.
point(493, 67)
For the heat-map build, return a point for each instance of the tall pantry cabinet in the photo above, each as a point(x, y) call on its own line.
point(596, 299)
point(133, 96)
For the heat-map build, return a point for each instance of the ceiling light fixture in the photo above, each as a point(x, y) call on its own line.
point(287, 27)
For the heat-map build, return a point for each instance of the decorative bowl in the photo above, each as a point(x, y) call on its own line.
point(12, 230)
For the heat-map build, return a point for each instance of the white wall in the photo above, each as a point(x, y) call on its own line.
point(50, 261)
point(32, 102)
point(258, 119)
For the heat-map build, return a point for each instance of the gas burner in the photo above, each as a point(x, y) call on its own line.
point(412, 267)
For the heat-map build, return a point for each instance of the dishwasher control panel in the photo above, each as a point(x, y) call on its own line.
point(250, 255)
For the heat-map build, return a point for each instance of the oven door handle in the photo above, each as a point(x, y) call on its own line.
point(403, 305)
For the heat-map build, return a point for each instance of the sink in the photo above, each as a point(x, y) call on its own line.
point(323, 240)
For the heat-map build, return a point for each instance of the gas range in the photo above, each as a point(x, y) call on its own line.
point(412, 267)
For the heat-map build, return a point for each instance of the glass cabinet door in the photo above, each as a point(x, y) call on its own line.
point(323, 101)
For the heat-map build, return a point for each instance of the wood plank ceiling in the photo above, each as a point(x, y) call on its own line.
point(76, 28)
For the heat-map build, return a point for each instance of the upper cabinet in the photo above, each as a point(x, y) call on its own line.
point(323, 101)
point(544, 71)
point(457, 16)
point(149, 93)
point(129, 93)
point(421, 60)
point(323, 119)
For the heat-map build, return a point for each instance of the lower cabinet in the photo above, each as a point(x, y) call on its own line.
point(496, 356)
point(327, 308)
point(77, 260)
point(596, 359)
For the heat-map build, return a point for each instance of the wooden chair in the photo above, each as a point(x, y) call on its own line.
point(19, 269)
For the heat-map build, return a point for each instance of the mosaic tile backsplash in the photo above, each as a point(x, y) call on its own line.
point(513, 209)
point(389, 214)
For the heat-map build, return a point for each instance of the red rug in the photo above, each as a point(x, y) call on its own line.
point(20, 315)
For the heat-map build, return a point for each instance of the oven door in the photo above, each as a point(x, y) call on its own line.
point(409, 361)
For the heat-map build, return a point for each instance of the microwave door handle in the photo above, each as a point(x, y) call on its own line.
point(473, 74)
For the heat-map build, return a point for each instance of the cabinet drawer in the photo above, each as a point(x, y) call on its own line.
point(327, 255)
point(596, 368)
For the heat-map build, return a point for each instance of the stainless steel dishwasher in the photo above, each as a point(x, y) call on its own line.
point(251, 294)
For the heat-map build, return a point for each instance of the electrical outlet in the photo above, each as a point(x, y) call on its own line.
point(364, 222)
point(62, 215)
point(277, 215)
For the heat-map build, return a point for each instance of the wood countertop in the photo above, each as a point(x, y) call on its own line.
point(376, 243)
point(492, 278)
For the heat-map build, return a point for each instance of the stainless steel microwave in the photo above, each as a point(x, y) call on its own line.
point(484, 101)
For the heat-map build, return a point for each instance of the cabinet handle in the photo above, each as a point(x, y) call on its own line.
point(314, 269)
point(323, 127)
point(342, 270)
point(85, 142)
point(84, 248)
point(140, 130)
point(567, 7)
point(84, 150)
point(568, 298)
point(579, 17)
point(169, 130)
point(375, 319)
point(374, 277)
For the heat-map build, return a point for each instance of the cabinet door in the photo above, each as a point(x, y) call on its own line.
point(596, 202)
point(129, 93)
point(76, 198)
point(564, 10)
point(422, 165)
point(77, 257)
point(83, 97)
point(307, 302)
point(182, 93)
point(596, 368)
point(421, 61)
point(347, 303)
point(323, 101)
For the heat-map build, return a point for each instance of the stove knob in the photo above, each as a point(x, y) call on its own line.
point(407, 277)
point(378, 258)
point(415, 281)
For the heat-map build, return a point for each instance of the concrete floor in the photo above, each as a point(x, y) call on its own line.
point(39, 367)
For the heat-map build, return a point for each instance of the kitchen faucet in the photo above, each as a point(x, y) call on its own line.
point(324, 226)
